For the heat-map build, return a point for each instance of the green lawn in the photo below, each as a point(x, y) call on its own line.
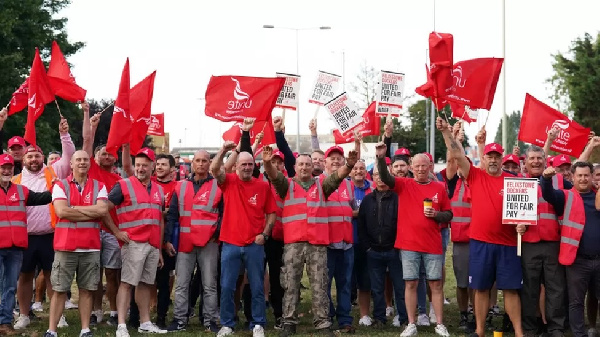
point(451, 319)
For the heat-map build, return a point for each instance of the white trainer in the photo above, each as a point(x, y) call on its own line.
point(70, 305)
point(423, 320)
point(365, 321)
point(441, 330)
point(410, 330)
point(258, 331)
point(122, 332)
point(22, 322)
point(37, 307)
point(226, 331)
point(432, 316)
point(389, 311)
point(62, 322)
point(396, 321)
point(149, 327)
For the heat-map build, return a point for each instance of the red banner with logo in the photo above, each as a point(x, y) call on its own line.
point(370, 126)
point(19, 98)
point(157, 125)
point(538, 118)
point(234, 133)
point(475, 82)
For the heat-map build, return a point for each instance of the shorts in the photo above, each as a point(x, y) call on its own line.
point(411, 262)
point(361, 270)
point(111, 251)
point(140, 261)
point(39, 253)
point(445, 240)
point(490, 262)
point(460, 262)
point(66, 264)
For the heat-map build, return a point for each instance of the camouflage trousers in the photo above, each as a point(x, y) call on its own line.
point(295, 255)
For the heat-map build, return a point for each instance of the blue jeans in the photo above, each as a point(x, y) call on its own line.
point(253, 257)
point(422, 291)
point(339, 265)
point(10, 260)
point(378, 262)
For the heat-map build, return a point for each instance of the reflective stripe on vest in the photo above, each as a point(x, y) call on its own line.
point(460, 203)
point(566, 222)
point(135, 206)
point(211, 200)
point(73, 225)
point(182, 211)
point(13, 223)
point(135, 223)
point(296, 201)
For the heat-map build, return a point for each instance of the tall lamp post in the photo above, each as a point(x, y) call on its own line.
point(297, 69)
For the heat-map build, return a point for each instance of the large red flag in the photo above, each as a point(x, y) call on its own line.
point(461, 112)
point(61, 79)
point(19, 98)
point(475, 82)
point(120, 125)
point(538, 118)
point(233, 98)
point(427, 90)
point(40, 94)
point(140, 100)
point(441, 48)
point(370, 126)
point(157, 125)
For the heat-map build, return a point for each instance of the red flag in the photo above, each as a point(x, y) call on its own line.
point(19, 98)
point(475, 82)
point(370, 126)
point(61, 79)
point(120, 125)
point(140, 100)
point(157, 125)
point(234, 133)
point(538, 118)
point(40, 94)
point(427, 90)
point(462, 112)
point(441, 47)
point(233, 98)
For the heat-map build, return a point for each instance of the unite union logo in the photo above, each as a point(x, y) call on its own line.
point(242, 99)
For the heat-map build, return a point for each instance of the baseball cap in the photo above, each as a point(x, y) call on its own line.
point(561, 160)
point(429, 156)
point(402, 151)
point(493, 147)
point(278, 153)
point(33, 148)
point(16, 140)
point(337, 149)
point(388, 161)
point(511, 158)
point(6, 159)
point(146, 152)
point(296, 154)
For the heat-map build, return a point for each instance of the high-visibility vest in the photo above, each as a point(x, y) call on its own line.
point(49, 175)
point(13, 217)
point(140, 213)
point(304, 215)
point(198, 213)
point(461, 209)
point(547, 228)
point(572, 222)
point(558, 182)
point(277, 232)
point(339, 213)
point(69, 235)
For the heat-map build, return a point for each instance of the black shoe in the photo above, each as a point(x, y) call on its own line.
point(48, 334)
point(463, 325)
point(288, 330)
point(87, 334)
point(176, 325)
point(93, 320)
point(33, 317)
point(278, 323)
point(349, 329)
point(212, 327)
point(112, 321)
point(161, 323)
point(507, 324)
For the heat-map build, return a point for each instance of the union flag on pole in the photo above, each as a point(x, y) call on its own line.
point(140, 100)
point(19, 98)
point(120, 125)
point(39, 95)
point(61, 79)
point(370, 126)
point(475, 82)
point(157, 125)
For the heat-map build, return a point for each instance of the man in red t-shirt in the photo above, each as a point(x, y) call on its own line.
point(419, 237)
point(248, 218)
point(492, 249)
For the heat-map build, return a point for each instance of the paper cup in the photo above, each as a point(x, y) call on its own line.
point(427, 204)
point(497, 333)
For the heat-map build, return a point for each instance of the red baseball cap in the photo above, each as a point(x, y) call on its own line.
point(296, 154)
point(337, 149)
point(429, 156)
point(493, 147)
point(278, 153)
point(511, 158)
point(32, 148)
point(549, 161)
point(6, 159)
point(561, 160)
point(388, 161)
point(17, 140)
point(146, 152)
point(402, 151)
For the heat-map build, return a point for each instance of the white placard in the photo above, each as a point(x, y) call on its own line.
point(288, 96)
point(344, 112)
point(325, 88)
point(520, 200)
point(389, 93)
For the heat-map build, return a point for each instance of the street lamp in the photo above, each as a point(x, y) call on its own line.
point(297, 69)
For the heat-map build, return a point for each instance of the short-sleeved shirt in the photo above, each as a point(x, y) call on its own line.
point(416, 232)
point(486, 208)
point(246, 203)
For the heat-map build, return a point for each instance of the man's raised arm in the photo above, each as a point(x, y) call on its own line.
point(455, 150)
point(217, 163)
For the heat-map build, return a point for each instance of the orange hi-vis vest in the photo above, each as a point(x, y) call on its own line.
point(461, 209)
point(69, 235)
point(49, 175)
point(572, 223)
point(13, 217)
point(304, 215)
point(140, 213)
point(340, 213)
point(547, 228)
point(198, 213)
point(277, 232)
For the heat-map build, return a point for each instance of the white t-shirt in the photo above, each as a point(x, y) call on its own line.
point(59, 194)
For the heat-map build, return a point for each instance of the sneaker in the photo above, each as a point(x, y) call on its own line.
point(112, 320)
point(423, 320)
point(150, 328)
point(62, 322)
point(225, 331)
point(396, 321)
point(49, 334)
point(432, 316)
point(441, 330)
point(389, 311)
point(99, 315)
point(176, 325)
point(70, 305)
point(410, 330)
point(496, 310)
point(212, 327)
point(122, 332)
point(258, 331)
point(22, 322)
point(446, 301)
point(349, 329)
point(288, 330)
point(37, 307)
point(93, 320)
point(365, 321)
point(33, 317)
point(87, 334)
point(161, 323)
point(278, 323)
point(470, 309)
point(592, 332)
point(463, 325)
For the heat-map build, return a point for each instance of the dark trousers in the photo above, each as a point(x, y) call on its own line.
point(162, 285)
point(378, 263)
point(539, 262)
point(584, 273)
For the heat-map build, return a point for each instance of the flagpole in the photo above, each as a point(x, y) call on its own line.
point(60, 113)
point(6, 107)
point(108, 106)
point(504, 117)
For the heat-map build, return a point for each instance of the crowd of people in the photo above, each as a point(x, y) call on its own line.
point(381, 235)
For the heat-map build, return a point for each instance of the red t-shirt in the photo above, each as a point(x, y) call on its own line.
point(246, 203)
point(486, 208)
point(109, 179)
point(416, 232)
point(168, 187)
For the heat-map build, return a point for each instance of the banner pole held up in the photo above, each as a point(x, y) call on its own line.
point(519, 244)
point(316, 111)
point(60, 113)
point(283, 118)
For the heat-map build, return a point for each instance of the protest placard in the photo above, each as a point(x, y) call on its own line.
point(519, 203)
point(389, 94)
point(344, 112)
point(325, 88)
point(288, 97)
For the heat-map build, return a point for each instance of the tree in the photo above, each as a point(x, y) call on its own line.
point(514, 124)
point(363, 89)
point(25, 25)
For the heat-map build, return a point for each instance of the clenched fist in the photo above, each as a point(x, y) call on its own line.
point(248, 124)
point(228, 146)
point(277, 123)
point(352, 158)
point(549, 173)
point(442, 125)
point(380, 150)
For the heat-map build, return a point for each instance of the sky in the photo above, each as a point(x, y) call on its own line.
point(188, 41)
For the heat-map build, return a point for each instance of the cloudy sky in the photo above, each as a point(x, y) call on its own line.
point(188, 41)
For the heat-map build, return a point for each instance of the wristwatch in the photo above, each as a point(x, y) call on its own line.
point(266, 236)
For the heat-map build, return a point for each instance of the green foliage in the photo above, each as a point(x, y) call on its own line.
point(514, 124)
